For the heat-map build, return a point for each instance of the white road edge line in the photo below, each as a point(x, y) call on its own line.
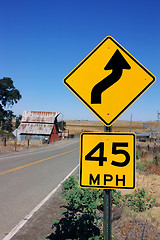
point(25, 220)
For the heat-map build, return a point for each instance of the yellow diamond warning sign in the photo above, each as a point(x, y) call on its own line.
point(109, 80)
point(107, 160)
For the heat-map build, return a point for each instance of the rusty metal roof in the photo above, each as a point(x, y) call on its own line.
point(39, 116)
point(35, 128)
point(37, 122)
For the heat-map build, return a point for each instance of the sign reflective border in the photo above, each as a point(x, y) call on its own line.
point(107, 160)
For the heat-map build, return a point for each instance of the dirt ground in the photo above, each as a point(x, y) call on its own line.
point(10, 147)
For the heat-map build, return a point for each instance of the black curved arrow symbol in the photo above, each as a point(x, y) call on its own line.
point(117, 63)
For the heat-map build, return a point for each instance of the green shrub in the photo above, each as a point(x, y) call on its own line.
point(80, 218)
point(116, 198)
point(69, 184)
point(137, 154)
point(156, 160)
point(140, 165)
point(138, 201)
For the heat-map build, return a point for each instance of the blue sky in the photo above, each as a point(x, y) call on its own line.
point(42, 41)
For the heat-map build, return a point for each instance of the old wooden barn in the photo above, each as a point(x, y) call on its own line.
point(38, 125)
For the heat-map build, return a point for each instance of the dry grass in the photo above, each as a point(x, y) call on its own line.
point(153, 124)
point(151, 184)
point(76, 127)
point(147, 177)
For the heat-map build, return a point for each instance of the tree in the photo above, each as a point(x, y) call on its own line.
point(61, 125)
point(9, 95)
point(8, 121)
point(18, 121)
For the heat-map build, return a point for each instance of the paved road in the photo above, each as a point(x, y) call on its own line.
point(27, 178)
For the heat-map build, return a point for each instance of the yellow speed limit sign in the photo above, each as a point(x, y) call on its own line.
point(107, 160)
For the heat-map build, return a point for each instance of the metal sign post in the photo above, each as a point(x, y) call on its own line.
point(107, 214)
point(107, 206)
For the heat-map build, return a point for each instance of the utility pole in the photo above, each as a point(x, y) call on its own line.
point(131, 123)
point(158, 115)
